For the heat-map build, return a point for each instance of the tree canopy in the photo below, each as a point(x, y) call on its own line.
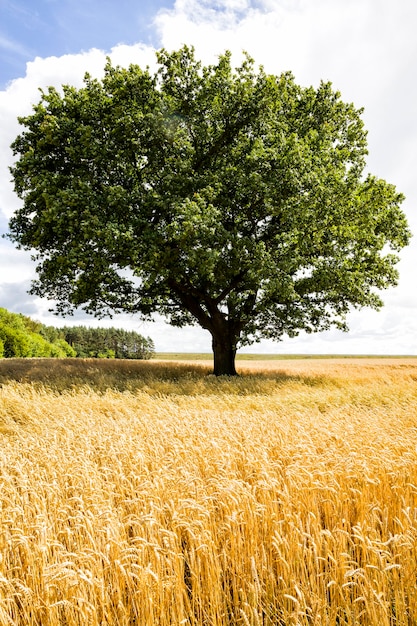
point(20, 336)
point(213, 195)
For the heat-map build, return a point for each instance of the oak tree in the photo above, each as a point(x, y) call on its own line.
point(213, 195)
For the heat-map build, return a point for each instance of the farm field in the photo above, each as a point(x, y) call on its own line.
point(152, 493)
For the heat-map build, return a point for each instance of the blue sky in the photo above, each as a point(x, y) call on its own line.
point(367, 48)
point(56, 27)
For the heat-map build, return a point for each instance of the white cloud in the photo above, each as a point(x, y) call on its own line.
point(19, 96)
point(367, 48)
point(16, 265)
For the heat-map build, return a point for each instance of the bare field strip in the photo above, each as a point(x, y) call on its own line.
point(151, 493)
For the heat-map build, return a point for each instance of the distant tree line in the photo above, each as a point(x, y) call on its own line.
point(21, 336)
point(111, 343)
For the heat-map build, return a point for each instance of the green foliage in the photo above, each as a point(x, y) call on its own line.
point(20, 336)
point(15, 342)
point(225, 197)
point(108, 343)
point(61, 348)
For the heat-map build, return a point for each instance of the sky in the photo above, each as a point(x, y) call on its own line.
point(366, 48)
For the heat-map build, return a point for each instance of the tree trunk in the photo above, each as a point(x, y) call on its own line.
point(224, 351)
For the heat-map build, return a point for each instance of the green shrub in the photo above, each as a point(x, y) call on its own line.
point(16, 342)
point(21, 336)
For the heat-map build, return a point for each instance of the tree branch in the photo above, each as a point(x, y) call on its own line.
point(191, 303)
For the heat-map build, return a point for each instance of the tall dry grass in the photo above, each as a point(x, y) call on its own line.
point(155, 494)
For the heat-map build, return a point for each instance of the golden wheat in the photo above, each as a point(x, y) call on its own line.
point(155, 494)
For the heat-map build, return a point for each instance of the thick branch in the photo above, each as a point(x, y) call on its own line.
point(233, 284)
point(191, 303)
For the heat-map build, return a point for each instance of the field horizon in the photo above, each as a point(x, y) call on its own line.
point(142, 493)
point(248, 356)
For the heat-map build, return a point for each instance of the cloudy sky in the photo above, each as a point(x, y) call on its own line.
point(367, 48)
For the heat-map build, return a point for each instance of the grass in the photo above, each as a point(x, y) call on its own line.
point(153, 493)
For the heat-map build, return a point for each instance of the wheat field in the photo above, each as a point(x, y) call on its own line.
point(156, 494)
